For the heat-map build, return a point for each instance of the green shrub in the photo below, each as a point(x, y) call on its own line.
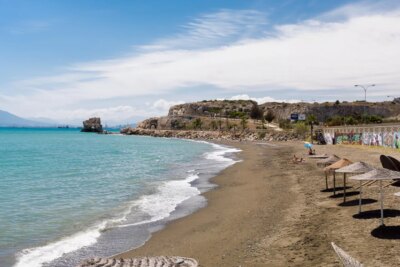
point(300, 128)
point(261, 135)
point(285, 124)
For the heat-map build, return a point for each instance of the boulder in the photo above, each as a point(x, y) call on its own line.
point(92, 125)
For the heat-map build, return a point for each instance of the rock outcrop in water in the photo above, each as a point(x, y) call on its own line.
point(92, 125)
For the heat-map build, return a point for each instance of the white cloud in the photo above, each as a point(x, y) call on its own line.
point(110, 115)
point(214, 29)
point(163, 105)
point(262, 100)
point(331, 52)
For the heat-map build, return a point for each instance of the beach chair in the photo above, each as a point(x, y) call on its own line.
point(141, 262)
point(396, 162)
point(387, 163)
point(345, 258)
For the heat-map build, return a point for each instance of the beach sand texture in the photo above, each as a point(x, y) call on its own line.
point(268, 211)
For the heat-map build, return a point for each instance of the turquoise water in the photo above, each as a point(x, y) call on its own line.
point(67, 195)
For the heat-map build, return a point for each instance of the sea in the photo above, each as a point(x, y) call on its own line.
point(66, 196)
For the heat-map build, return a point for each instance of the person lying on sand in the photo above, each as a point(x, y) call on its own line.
point(297, 159)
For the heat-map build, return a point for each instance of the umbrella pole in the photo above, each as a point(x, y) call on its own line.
point(380, 185)
point(359, 200)
point(344, 187)
point(326, 180)
point(334, 184)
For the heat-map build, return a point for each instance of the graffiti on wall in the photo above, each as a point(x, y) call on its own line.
point(348, 138)
point(372, 137)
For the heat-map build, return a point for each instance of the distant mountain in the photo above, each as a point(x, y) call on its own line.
point(9, 120)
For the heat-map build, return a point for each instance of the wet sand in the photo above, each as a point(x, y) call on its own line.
point(268, 211)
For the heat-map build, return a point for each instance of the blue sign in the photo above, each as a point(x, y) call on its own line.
point(294, 116)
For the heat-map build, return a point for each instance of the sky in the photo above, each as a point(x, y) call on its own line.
point(124, 61)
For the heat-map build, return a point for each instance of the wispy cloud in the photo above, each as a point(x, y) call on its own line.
point(331, 52)
point(210, 30)
point(28, 27)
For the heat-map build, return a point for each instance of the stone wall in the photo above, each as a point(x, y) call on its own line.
point(387, 135)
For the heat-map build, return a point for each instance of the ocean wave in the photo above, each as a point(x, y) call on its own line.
point(157, 206)
point(170, 194)
point(36, 257)
point(220, 152)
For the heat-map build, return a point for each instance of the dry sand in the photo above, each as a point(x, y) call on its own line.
point(268, 211)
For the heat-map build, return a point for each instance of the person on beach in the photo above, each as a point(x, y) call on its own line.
point(297, 159)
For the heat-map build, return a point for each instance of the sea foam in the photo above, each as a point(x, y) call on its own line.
point(158, 206)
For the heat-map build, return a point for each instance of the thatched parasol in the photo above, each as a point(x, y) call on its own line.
point(378, 175)
point(331, 168)
point(355, 168)
point(328, 161)
point(325, 162)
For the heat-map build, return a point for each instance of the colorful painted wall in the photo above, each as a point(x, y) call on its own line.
point(386, 136)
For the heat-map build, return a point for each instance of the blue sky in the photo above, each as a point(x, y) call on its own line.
point(126, 60)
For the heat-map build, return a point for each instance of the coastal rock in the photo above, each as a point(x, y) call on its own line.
point(92, 125)
point(212, 135)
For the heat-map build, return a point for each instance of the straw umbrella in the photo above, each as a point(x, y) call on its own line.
point(337, 165)
point(355, 168)
point(378, 175)
point(325, 162)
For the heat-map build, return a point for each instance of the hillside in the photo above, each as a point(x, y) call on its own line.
point(10, 120)
point(225, 115)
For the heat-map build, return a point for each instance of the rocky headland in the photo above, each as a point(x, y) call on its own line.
point(246, 120)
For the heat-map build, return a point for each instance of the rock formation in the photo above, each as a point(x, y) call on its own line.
point(211, 113)
point(92, 125)
point(327, 110)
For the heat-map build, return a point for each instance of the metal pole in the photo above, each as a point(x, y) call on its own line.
point(334, 183)
point(365, 91)
point(326, 180)
point(380, 185)
point(344, 187)
point(359, 200)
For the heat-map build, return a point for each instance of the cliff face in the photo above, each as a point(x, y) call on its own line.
point(326, 110)
point(183, 116)
point(214, 108)
point(226, 114)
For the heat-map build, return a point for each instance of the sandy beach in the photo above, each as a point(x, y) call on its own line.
point(267, 211)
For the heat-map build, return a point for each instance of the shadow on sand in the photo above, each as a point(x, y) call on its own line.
point(337, 189)
point(348, 194)
point(396, 184)
point(386, 232)
point(354, 202)
point(375, 214)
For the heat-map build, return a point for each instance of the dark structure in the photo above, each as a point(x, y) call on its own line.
point(92, 125)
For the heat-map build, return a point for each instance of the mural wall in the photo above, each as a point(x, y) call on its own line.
point(386, 136)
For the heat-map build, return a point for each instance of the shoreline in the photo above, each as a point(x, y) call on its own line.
point(267, 211)
point(214, 212)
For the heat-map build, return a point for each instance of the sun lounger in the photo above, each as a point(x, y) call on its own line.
point(142, 262)
point(396, 162)
point(345, 258)
point(387, 163)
